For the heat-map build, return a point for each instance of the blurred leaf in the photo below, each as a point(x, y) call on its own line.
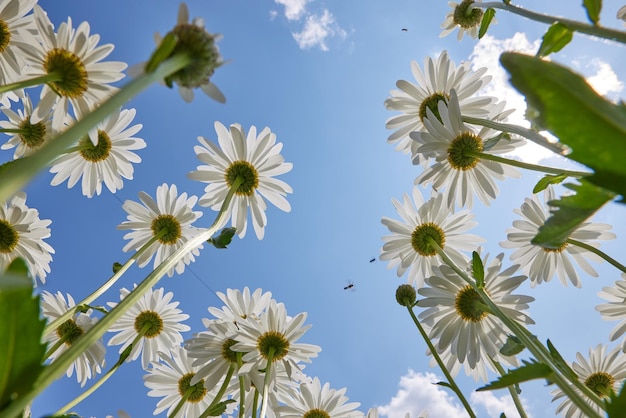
point(116, 267)
point(224, 238)
point(529, 371)
point(18, 267)
point(502, 415)
point(489, 143)
point(21, 330)
point(570, 212)
point(560, 362)
point(616, 404)
point(593, 8)
point(218, 409)
point(512, 346)
point(478, 270)
point(484, 24)
point(444, 384)
point(548, 180)
point(571, 110)
point(555, 39)
point(163, 51)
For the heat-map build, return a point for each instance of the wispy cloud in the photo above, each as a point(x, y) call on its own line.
point(294, 9)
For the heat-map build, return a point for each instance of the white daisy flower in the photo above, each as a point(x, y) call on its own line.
point(615, 308)
point(32, 136)
point(409, 245)
point(170, 379)
point(621, 14)
point(541, 264)
point(107, 162)
point(449, 140)
point(241, 305)
point(317, 400)
point(254, 159)
point(168, 222)
point(601, 372)
point(22, 234)
point(75, 56)
point(91, 361)
point(434, 84)
point(465, 17)
point(16, 19)
point(154, 321)
point(456, 317)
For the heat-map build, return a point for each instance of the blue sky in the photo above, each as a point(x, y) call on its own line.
point(317, 73)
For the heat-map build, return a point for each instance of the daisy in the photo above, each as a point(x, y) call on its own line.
point(601, 372)
point(615, 308)
point(320, 401)
point(167, 223)
point(153, 324)
point(541, 264)
point(170, 379)
point(241, 305)
point(31, 136)
point(457, 319)
point(409, 245)
point(73, 54)
point(254, 159)
point(91, 360)
point(434, 84)
point(16, 19)
point(106, 162)
point(451, 143)
point(464, 16)
point(22, 234)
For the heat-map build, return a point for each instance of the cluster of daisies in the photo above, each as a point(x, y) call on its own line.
point(461, 161)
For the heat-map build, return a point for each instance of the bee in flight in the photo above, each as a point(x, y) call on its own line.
point(372, 260)
point(349, 285)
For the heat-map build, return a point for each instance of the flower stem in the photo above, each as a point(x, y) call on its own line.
point(534, 136)
point(516, 400)
point(266, 383)
point(442, 366)
point(527, 166)
point(181, 403)
point(56, 346)
point(221, 392)
point(598, 252)
point(36, 81)
point(242, 387)
point(599, 31)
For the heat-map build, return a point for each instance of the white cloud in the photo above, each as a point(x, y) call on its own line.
point(604, 81)
point(294, 9)
point(495, 406)
point(316, 29)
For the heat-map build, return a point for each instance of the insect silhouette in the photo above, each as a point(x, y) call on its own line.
point(372, 260)
point(349, 286)
point(405, 30)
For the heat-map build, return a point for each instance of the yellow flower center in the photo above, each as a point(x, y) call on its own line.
point(466, 17)
point(459, 149)
point(432, 103)
point(69, 332)
point(247, 172)
point(149, 324)
point(601, 383)
point(9, 237)
point(95, 153)
point(168, 228)
point(198, 391)
point(469, 306)
point(273, 340)
point(73, 82)
point(422, 236)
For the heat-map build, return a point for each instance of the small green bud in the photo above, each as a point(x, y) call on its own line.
point(406, 295)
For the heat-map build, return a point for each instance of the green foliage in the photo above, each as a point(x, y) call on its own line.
point(491, 142)
point(484, 24)
point(571, 211)
point(117, 267)
point(555, 39)
point(593, 7)
point(21, 351)
point(548, 180)
point(164, 50)
point(560, 362)
point(478, 270)
point(224, 238)
point(529, 371)
point(217, 409)
point(512, 346)
point(18, 267)
point(616, 403)
point(568, 107)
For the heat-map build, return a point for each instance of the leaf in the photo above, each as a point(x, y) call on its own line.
point(571, 110)
point(555, 39)
point(560, 362)
point(478, 270)
point(163, 51)
point(21, 329)
point(489, 143)
point(19, 268)
point(548, 180)
point(593, 7)
point(117, 267)
point(571, 211)
point(444, 384)
point(512, 346)
point(486, 21)
point(224, 238)
point(218, 409)
point(529, 371)
point(616, 404)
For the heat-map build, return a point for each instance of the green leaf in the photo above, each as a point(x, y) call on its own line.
point(502, 415)
point(19, 268)
point(555, 39)
point(572, 111)
point(484, 24)
point(512, 346)
point(478, 270)
point(560, 362)
point(570, 212)
point(616, 404)
point(117, 267)
point(593, 8)
point(218, 409)
point(224, 238)
point(548, 180)
point(489, 143)
point(444, 384)
point(21, 329)
point(163, 51)
point(529, 371)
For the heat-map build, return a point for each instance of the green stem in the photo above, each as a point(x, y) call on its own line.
point(527, 166)
point(16, 175)
point(516, 400)
point(531, 343)
point(255, 403)
point(181, 403)
point(598, 252)
point(221, 392)
point(60, 365)
point(534, 136)
point(442, 366)
point(32, 82)
point(56, 346)
point(14, 131)
point(242, 387)
point(266, 383)
point(599, 31)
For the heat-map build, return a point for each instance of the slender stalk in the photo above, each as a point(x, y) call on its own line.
point(56, 369)
point(266, 383)
point(55, 347)
point(242, 387)
point(255, 403)
point(594, 30)
point(442, 366)
point(181, 403)
point(14, 131)
point(32, 82)
point(220, 393)
point(534, 136)
point(516, 400)
point(598, 252)
point(17, 174)
point(527, 166)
